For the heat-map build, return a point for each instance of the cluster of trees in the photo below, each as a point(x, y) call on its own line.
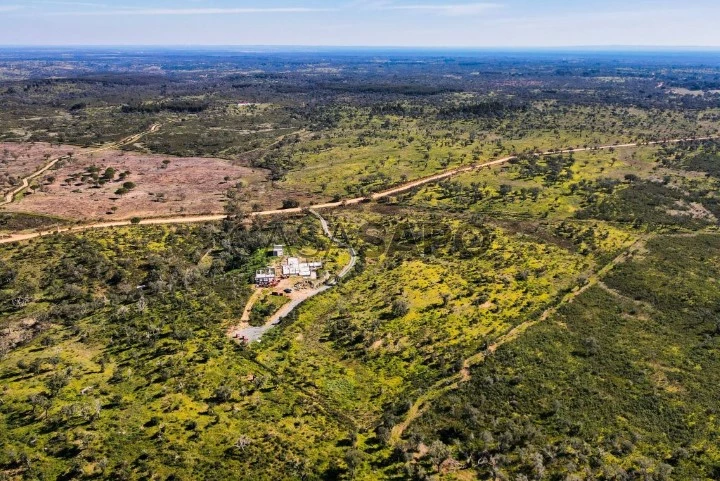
point(486, 109)
point(642, 202)
point(553, 169)
point(188, 106)
point(95, 176)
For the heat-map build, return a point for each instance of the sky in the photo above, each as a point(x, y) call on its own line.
point(402, 23)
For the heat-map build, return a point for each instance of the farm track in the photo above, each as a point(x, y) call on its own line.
point(330, 205)
point(10, 196)
point(445, 385)
point(452, 383)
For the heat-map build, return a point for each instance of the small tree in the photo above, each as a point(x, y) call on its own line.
point(353, 459)
point(290, 204)
point(223, 393)
point(438, 452)
point(109, 173)
point(57, 381)
point(400, 307)
point(38, 401)
point(592, 346)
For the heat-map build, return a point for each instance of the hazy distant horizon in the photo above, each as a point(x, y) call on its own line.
point(401, 48)
point(362, 23)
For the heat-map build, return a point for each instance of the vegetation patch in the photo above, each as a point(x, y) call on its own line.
point(615, 384)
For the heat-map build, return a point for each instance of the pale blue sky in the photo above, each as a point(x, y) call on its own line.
point(495, 23)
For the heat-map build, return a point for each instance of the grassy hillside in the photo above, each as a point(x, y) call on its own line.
point(123, 369)
point(617, 385)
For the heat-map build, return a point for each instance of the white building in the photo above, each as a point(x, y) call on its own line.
point(265, 276)
point(278, 250)
point(293, 267)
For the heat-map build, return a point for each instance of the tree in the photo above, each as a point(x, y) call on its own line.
point(632, 178)
point(400, 307)
point(57, 381)
point(353, 459)
point(223, 393)
point(290, 204)
point(438, 453)
point(109, 174)
point(592, 346)
point(39, 401)
point(7, 274)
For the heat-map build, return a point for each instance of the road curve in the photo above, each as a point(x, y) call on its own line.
point(353, 254)
point(331, 205)
point(253, 334)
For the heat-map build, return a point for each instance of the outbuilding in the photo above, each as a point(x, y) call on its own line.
point(265, 277)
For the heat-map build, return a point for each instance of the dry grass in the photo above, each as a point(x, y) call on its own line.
point(20, 160)
point(164, 185)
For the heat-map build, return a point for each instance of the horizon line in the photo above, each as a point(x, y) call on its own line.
point(375, 47)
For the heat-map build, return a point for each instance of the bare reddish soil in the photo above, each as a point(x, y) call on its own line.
point(164, 185)
point(20, 160)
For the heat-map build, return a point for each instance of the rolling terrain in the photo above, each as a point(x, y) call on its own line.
point(527, 259)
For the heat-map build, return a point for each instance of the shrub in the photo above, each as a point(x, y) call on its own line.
point(290, 204)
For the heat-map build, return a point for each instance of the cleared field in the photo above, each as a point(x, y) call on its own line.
point(118, 185)
point(18, 160)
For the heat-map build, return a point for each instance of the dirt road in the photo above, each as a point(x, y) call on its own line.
point(339, 242)
point(330, 205)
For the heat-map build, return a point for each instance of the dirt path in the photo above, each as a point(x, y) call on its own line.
point(250, 303)
point(449, 384)
point(10, 197)
point(353, 254)
point(330, 205)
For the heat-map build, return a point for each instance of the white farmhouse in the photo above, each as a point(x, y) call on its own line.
point(293, 267)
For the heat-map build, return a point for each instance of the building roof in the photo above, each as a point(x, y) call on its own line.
point(265, 273)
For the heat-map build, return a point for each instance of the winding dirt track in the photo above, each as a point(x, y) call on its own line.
point(10, 196)
point(330, 205)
